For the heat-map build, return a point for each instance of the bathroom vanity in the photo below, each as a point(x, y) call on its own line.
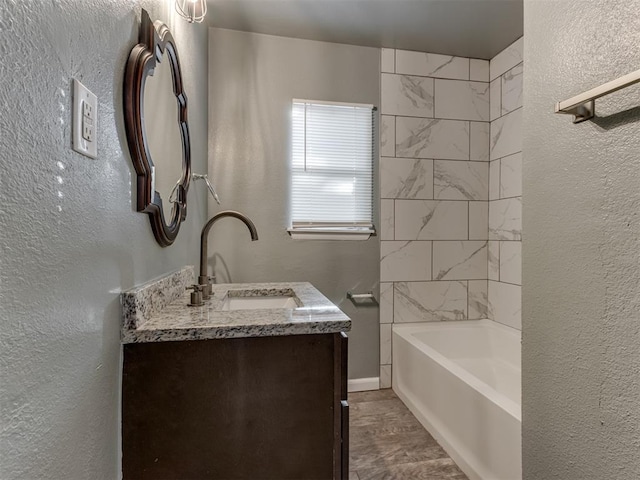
point(251, 385)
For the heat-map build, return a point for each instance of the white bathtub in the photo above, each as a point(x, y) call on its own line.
point(462, 381)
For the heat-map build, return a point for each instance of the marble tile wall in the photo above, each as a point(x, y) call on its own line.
point(451, 190)
point(505, 187)
point(435, 148)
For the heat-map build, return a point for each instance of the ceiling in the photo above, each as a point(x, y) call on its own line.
point(468, 28)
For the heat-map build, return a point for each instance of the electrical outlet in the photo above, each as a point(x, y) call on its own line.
point(87, 129)
point(85, 125)
point(87, 110)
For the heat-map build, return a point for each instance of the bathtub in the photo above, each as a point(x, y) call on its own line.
point(462, 382)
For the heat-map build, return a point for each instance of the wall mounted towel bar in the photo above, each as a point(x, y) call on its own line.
point(583, 106)
point(358, 297)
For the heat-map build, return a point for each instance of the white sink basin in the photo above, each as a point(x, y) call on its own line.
point(259, 299)
point(253, 303)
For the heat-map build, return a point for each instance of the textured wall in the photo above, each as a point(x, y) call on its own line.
point(69, 236)
point(253, 79)
point(581, 236)
point(434, 186)
point(505, 187)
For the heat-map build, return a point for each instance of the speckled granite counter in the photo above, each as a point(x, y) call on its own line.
point(177, 321)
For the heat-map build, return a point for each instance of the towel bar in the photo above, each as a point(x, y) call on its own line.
point(583, 106)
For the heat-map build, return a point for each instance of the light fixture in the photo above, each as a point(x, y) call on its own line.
point(193, 11)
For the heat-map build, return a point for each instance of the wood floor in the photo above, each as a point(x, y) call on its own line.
point(387, 442)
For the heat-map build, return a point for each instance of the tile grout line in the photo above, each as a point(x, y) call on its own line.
point(500, 179)
point(500, 84)
point(499, 262)
point(422, 117)
point(434, 97)
point(433, 180)
point(469, 298)
point(437, 78)
point(432, 260)
point(394, 219)
point(507, 283)
point(447, 159)
point(440, 199)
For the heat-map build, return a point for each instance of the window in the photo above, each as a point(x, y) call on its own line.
point(332, 170)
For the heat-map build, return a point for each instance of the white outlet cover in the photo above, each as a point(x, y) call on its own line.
point(82, 96)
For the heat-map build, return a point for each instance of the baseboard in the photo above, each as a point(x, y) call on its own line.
point(363, 384)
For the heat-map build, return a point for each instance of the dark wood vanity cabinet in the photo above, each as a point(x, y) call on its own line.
point(242, 408)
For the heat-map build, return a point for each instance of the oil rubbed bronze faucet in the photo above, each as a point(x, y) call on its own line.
point(204, 279)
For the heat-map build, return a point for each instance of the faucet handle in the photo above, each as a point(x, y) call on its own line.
point(196, 296)
point(205, 282)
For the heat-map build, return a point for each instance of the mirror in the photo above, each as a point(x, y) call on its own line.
point(163, 137)
point(155, 107)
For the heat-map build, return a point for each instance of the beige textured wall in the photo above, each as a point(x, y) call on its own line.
point(253, 78)
point(581, 237)
point(70, 239)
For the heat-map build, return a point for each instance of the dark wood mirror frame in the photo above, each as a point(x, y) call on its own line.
point(155, 41)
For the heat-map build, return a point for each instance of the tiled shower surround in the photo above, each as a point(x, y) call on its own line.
point(505, 187)
point(450, 190)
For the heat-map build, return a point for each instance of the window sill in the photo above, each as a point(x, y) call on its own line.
point(331, 233)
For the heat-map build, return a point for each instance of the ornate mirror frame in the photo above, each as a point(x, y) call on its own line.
point(155, 41)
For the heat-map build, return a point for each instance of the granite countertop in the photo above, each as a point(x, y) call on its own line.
point(175, 320)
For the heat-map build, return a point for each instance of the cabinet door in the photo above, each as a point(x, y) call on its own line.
point(243, 408)
point(341, 408)
point(344, 408)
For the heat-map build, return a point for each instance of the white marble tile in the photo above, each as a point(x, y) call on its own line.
point(505, 219)
point(387, 60)
point(511, 176)
point(494, 180)
point(478, 299)
point(459, 100)
point(429, 301)
point(427, 138)
point(506, 135)
point(386, 302)
point(387, 219)
point(512, 90)
point(405, 261)
point(465, 260)
point(495, 102)
point(493, 261)
point(506, 59)
point(385, 343)
point(385, 376)
point(406, 95)
point(505, 304)
point(454, 180)
point(431, 65)
point(431, 220)
point(479, 70)
point(511, 262)
point(480, 138)
point(406, 178)
point(387, 136)
point(478, 220)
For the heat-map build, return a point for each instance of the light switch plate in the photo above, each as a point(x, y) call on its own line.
point(85, 125)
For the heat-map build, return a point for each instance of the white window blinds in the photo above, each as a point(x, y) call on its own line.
point(332, 167)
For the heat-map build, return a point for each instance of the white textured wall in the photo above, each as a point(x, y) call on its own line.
point(434, 184)
point(69, 236)
point(581, 235)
